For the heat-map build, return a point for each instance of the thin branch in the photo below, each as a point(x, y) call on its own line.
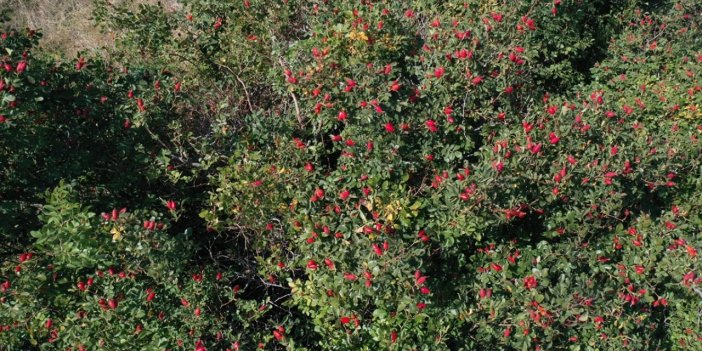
point(246, 92)
point(297, 106)
point(297, 110)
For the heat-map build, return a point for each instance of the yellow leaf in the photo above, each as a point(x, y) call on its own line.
point(369, 204)
point(390, 217)
point(117, 233)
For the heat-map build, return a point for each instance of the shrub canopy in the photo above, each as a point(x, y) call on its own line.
point(338, 175)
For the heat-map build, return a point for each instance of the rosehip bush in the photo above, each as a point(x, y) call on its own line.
point(417, 175)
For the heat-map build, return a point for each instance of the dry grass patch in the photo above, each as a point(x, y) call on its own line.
point(67, 25)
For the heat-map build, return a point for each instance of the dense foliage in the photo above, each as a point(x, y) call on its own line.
point(345, 175)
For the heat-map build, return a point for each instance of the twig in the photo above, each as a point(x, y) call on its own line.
point(246, 92)
point(297, 110)
point(297, 107)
